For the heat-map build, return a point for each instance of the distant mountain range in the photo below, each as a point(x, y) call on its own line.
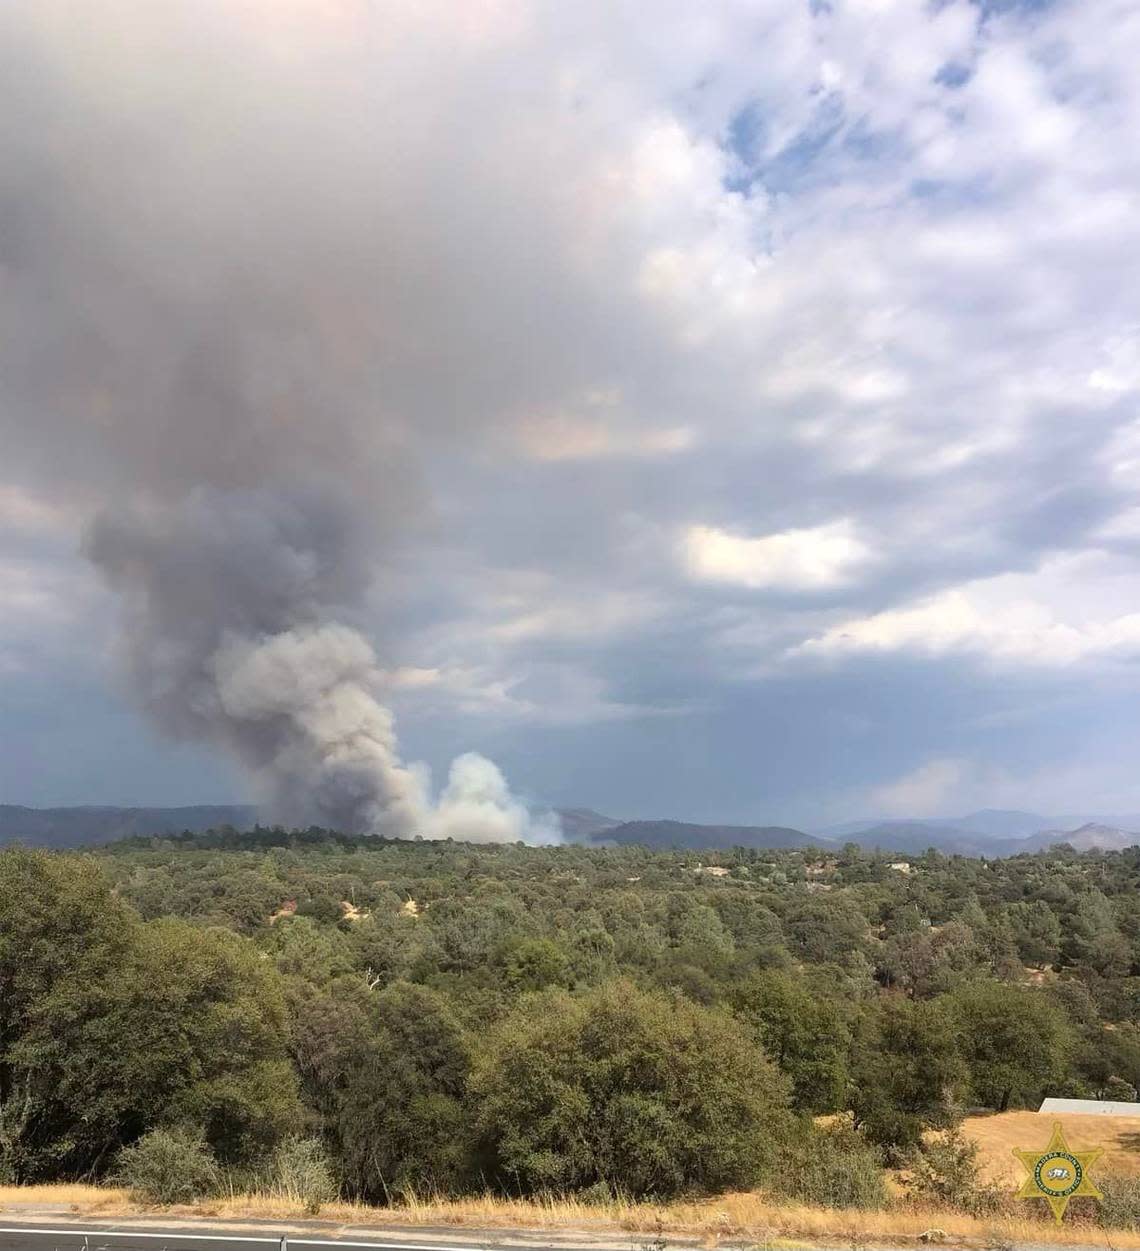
point(901, 837)
point(681, 835)
point(911, 836)
point(579, 825)
point(988, 822)
point(1091, 836)
point(993, 832)
point(990, 832)
point(80, 827)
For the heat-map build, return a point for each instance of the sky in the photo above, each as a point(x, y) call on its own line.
point(734, 404)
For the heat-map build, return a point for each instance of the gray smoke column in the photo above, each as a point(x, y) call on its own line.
point(223, 345)
point(230, 638)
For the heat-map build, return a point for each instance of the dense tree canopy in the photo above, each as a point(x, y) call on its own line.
point(447, 1016)
point(112, 1025)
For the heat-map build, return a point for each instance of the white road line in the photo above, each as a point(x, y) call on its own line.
point(384, 1246)
point(192, 1237)
point(131, 1233)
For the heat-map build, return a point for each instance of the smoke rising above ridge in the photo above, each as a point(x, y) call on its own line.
point(230, 637)
point(207, 313)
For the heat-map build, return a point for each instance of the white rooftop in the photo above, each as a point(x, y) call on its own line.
point(1090, 1107)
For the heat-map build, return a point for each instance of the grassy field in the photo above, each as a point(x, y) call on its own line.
point(732, 1218)
point(997, 1135)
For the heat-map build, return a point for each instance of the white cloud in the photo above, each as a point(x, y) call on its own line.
point(24, 512)
point(1119, 371)
point(537, 694)
point(1124, 527)
point(47, 602)
point(814, 559)
point(1074, 608)
point(930, 790)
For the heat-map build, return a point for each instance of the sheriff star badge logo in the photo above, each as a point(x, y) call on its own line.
point(1058, 1174)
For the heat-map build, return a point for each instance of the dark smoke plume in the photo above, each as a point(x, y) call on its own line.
point(214, 319)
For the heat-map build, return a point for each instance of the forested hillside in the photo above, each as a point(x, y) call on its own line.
point(449, 1016)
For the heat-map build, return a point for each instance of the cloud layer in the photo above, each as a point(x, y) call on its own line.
point(737, 409)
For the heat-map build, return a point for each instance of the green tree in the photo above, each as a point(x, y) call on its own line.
point(303, 949)
point(188, 1029)
point(168, 1166)
point(825, 928)
point(805, 1035)
point(696, 928)
point(1016, 1042)
point(388, 943)
point(834, 1167)
point(1092, 939)
point(626, 1088)
point(59, 924)
point(927, 961)
point(1109, 1060)
point(398, 1113)
point(535, 964)
point(59, 921)
point(907, 1071)
point(1037, 932)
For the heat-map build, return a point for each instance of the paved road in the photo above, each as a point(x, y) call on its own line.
point(94, 1236)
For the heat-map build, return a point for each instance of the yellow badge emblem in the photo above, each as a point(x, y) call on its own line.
point(1058, 1174)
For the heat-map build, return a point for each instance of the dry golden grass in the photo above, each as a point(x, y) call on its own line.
point(997, 1135)
point(62, 1195)
point(732, 1218)
point(751, 1218)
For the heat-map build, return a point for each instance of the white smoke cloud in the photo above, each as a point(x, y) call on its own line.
point(477, 805)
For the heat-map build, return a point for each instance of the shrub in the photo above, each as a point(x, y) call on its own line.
point(898, 1134)
point(301, 1171)
point(622, 1086)
point(1117, 1088)
point(834, 1168)
point(945, 1171)
point(600, 1194)
point(168, 1166)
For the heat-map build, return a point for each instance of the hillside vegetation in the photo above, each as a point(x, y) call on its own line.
point(395, 1018)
